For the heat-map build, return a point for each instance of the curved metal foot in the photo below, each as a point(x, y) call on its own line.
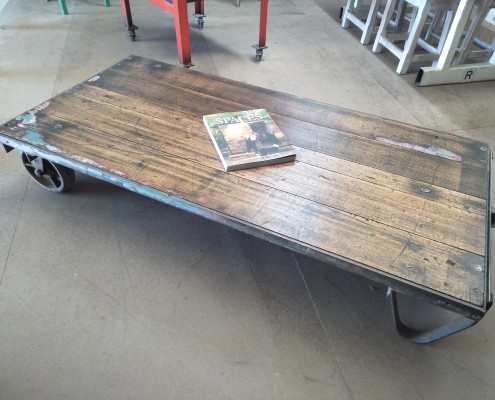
point(454, 326)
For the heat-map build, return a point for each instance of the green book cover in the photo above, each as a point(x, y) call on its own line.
point(247, 139)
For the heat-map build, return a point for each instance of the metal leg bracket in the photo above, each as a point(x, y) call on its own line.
point(8, 148)
point(421, 337)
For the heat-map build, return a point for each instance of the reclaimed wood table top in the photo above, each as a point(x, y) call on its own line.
point(400, 204)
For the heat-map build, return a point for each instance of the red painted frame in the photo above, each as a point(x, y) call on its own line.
point(178, 8)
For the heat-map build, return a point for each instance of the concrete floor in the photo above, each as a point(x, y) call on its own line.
point(105, 294)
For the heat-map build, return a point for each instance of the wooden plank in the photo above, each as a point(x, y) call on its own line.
point(472, 151)
point(418, 216)
point(424, 217)
point(393, 251)
point(394, 182)
point(434, 170)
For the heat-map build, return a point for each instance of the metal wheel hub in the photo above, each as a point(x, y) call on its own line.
point(49, 175)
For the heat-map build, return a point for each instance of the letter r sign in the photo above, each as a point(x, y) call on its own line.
point(469, 75)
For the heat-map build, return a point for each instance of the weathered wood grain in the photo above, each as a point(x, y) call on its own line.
point(342, 119)
point(424, 217)
point(432, 264)
point(363, 189)
point(147, 124)
point(433, 170)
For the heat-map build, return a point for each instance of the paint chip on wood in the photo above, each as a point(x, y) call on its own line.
point(432, 150)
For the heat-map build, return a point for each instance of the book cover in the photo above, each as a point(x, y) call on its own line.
point(247, 139)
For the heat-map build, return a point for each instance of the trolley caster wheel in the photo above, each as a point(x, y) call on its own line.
point(49, 175)
point(200, 22)
point(259, 51)
point(132, 33)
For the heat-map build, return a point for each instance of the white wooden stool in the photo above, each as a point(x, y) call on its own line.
point(469, 41)
point(355, 12)
point(423, 11)
point(455, 64)
point(365, 17)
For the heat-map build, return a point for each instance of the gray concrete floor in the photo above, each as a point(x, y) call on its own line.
point(105, 294)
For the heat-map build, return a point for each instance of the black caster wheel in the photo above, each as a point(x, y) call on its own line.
point(53, 177)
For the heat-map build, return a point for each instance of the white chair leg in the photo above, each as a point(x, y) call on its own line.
point(412, 40)
point(382, 30)
point(345, 20)
point(370, 22)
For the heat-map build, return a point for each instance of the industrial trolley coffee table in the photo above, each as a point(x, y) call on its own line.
point(401, 205)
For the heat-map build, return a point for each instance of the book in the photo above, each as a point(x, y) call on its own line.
point(248, 139)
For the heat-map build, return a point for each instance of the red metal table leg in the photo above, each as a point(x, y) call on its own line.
point(199, 7)
point(263, 22)
point(182, 33)
point(131, 28)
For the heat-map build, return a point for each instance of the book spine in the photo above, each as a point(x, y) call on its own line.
point(212, 137)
